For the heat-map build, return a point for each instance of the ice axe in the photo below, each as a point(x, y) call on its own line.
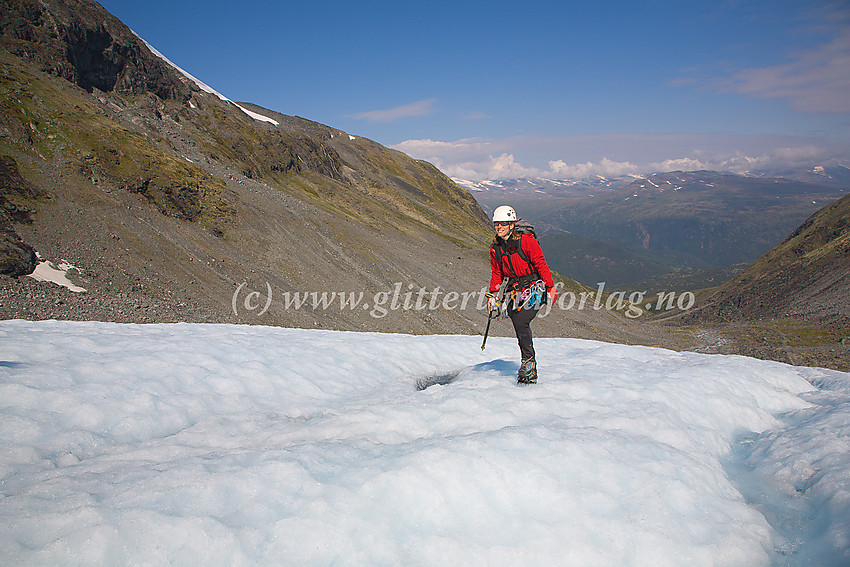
point(498, 309)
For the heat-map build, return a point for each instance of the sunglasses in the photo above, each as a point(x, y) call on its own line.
point(502, 223)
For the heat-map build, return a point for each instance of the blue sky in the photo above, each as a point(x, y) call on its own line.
point(511, 89)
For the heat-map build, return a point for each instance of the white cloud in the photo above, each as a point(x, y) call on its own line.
point(427, 146)
point(477, 116)
point(780, 157)
point(472, 157)
point(418, 108)
point(680, 164)
point(559, 169)
point(503, 166)
point(575, 157)
point(815, 80)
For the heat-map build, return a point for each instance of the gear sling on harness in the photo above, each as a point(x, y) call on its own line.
point(525, 292)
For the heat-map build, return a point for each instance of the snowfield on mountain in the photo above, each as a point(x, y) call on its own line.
point(193, 444)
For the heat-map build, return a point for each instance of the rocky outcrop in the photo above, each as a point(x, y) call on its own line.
point(16, 257)
point(81, 42)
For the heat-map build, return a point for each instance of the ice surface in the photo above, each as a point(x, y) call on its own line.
point(235, 445)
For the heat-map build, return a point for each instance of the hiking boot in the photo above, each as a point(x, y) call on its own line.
point(527, 372)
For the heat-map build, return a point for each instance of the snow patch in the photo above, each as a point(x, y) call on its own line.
point(206, 88)
point(47, 271)
point(256, 116)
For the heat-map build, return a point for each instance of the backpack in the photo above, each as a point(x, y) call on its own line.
point(521, 227)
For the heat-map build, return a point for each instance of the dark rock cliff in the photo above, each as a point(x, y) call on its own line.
point(83, 43)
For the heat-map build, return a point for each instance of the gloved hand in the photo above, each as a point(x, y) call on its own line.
point(553, 295)
point(492, 302)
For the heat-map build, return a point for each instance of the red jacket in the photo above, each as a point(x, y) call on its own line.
point(514, 266)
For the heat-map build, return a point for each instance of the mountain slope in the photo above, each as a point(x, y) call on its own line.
point(167, 197)
point(792, 304)
point(807, 276)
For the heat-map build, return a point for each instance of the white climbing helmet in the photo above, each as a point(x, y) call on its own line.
point(504, 213)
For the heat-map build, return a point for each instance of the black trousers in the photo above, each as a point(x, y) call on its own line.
point(522, 325)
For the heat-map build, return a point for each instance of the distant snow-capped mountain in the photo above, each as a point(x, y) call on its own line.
point(697, 219)
point(834, 176)
point(546, 185)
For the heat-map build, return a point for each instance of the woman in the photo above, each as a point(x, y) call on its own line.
point(516, 256)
